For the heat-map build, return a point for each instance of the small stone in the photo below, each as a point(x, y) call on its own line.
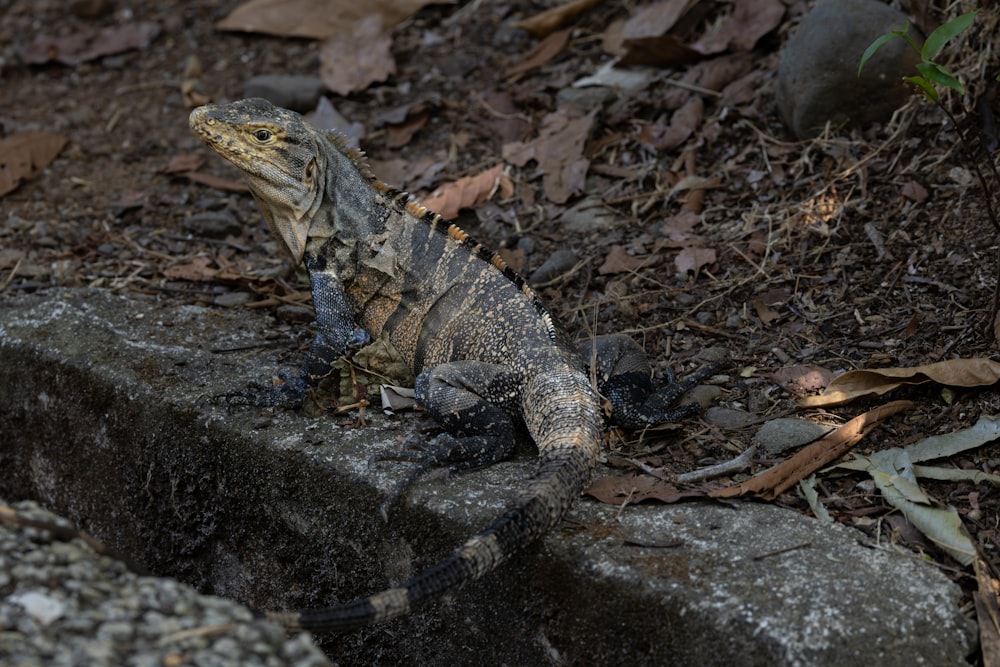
point(557, 264)
point(213, 224)
point(230, 299)
point(728, 418)
point(589, 215)
point(291, 91)
point(818, 74)
point(779, 435)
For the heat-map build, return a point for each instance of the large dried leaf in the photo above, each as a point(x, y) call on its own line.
point(619, 261)
point(635, 488)
point(693, 259)
point(24, 154)
point(467, 192)
point(352, 61)
point(750, 20)
point(559, 153)
point(544, 51)
point(975, 372)
point(646, 39)
point(89, 44)
point(314, 19)
point(552, 19)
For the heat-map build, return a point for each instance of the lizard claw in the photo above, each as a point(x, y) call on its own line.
point(289, 394)
point(446, 452)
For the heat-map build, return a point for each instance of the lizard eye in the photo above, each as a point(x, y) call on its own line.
point(262, 135)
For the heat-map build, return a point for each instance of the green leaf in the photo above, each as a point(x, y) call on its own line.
point(876, 45)
point(925, 86)
point(940, 76)
point(937, 39)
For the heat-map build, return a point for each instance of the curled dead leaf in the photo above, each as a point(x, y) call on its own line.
point(469, 191)
point(635, 488)
point(24, 154)
point(552, 19)
point(353, 60)
point(975, 372)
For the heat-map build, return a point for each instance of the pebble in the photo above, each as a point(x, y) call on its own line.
point(47, 620)
point(291, 91)
point(557, 264)
point(213, 225)
point(818, 74)
point(779, 435)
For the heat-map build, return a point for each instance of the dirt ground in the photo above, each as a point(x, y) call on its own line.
point(862, 249)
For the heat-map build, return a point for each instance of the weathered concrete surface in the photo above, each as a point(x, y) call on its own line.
point(106, 417)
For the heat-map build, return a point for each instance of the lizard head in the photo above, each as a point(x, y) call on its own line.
point(277, 152)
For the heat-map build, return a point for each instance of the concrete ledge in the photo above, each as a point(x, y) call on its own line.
point(106, 418)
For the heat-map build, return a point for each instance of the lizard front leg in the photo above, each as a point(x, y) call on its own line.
point(476, 403)
point(337, 335)
point(625, 378)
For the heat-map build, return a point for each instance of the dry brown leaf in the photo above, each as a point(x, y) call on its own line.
point(776, 480)
point(683, 124)
point(645, 39)
point(24, 154)
point(500, 119)
point(655, 19)
point(802, 378)
point(914, 192)
point(764, 311)
point(466, 192)
point(353, 60)
point(183, 162)
point(663, 51)
point(975, 372)
point(634, 488)
point(693, 259)
point(750, 20)
point(314, 19)
point(217, 182)
point(542, 24)
point(544, 51)
point(987, 612)
point(197, 270)
point(558, 151)
point(619, 261)
point(400, 134)
point(89, 44)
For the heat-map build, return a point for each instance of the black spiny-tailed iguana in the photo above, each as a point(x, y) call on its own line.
point(485, 352)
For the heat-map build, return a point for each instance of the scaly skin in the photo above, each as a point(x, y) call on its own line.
point(485, 351)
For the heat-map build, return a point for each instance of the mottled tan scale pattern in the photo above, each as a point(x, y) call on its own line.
point(441, 297)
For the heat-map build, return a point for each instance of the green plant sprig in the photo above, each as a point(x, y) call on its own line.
point(930, 72)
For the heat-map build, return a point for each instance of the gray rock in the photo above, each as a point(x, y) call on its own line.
point(557, 264)
point(818, 74)
point(106, 415)
point(213, 224)
point(291, 91)
point(782, 434)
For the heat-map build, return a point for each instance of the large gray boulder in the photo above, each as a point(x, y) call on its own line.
point(818, 78)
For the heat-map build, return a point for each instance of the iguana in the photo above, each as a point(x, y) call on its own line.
point(486, 354)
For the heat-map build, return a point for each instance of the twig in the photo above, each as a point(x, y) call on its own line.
point(741, 462)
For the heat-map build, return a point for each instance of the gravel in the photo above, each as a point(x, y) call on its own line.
point(61, 604)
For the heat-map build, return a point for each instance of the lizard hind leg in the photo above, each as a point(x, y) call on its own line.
point(625, 378)
point(474, 402)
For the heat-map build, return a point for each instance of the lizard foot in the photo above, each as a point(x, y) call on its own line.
point(289, 394)
point(660, 405)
